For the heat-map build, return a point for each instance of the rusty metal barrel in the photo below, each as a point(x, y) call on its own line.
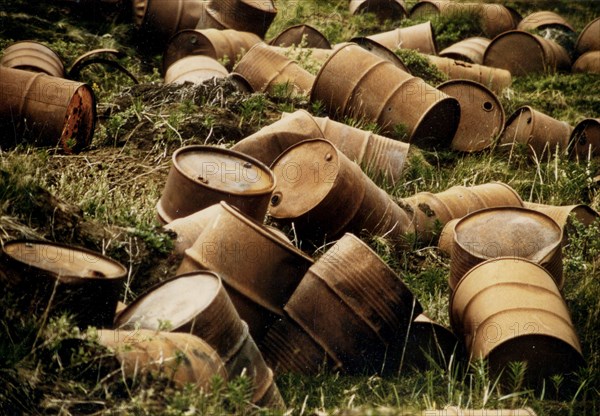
point(589, 38)
point(510, 309)
point(467, 50)
point(325, 194)
point(350, 290)
point(585, 139)
point(187, 229)
point(482, 115)
point(540, 132)
point(544, 19)
point(429, 212)
point(194, 69)
point(419, 37)
point(383, 9)
point(297, 35)
point(524, 53)
point(202, 176)
point(45, 110)
point(33, 56)
point(249, 257)
point(266, 70)
point(245, 15)
point(496, 79)
point(225, 46)
point(182, 358)
point(503, 232)
point(377, 90)
point(446, 240)
point(588, 62)
point(564, 215)
point(63, 279)
point(493, 18)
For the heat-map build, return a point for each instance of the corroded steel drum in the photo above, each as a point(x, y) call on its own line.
point(502, 232)
point(588, 62)
point(510, 309)
point(585, 139)
point(467, 50)
point(419, 37)
point(63, 279)
point(524, 53)
point(305, 35)
point(482, 115)
point(194, 69)
point(202, 176)
point(245, 15)
point(540, 132)
point(589, 38)
point(377, 90)
point(225, 46)
point(383, 9)
point(33, 56)
point(187, 229)
point(46, 110)
point(544, 19)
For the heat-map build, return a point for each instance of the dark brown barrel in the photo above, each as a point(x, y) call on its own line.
point(376, 90)
point(467, 50)
point(304, 35)
point(202, 176)
point(585, 139)
point(524, 53)
point(52, 111)
point(544, 19)
point(226, 46)
point(33, 56)
point(144, 353)
point(588, 62)
point(265, 70)
point(383, 9)
point(419, 37)
point(65, 279)
point(510, 309)
point(589, 38)
point(502, 232)
point(194, 69)
point(167, 17)
point(540, 132)
point(244, 15)
point(189, 228)
point(482, 115)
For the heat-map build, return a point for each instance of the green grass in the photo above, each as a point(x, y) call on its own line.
point(109, 192)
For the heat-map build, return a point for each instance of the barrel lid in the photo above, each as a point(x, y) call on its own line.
point(517, 51)
point(508, 231)
point(305, 173)
point(63, 260)
point(224, 170)
point(174, 302)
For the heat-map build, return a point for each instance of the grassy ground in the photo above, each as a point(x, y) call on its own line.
point(104, 199)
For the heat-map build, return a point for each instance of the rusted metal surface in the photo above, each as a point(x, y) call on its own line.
point(194, 303)
point(301, 35)
point(380, 51)
point(33, 56)
point(326, 194)
point(53, 111)
point(540, 132)
point(564, 215)
point(589, 38)
point(524, 53)
point(63, 279)
point(467, 50)
point(166, 18)
point(222, 45)
point(143, 353)
point(245, 15)
point(544, 19)
point(446, 240)
point(189, 228)
point(510, 309)
point(585, 139)
point(502, 232)
point(267, 70)
point(250, 258)
point(496, 79)
point(195, 69)
point(418, 37)
point(287, 348)
point(430, 211)
point(588, 62)
point(351, 290)
point(377, 90)
point(482, 115)
point(383, 9)
point(202, 176)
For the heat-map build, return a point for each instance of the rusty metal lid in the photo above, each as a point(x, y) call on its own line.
point(300, 188)
point(223, 170)
point(508, 231)
point(481, 115)
point(585, 138)
point(172, 303)
point(589, 38)
point(62, 261)
point(303, 34)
